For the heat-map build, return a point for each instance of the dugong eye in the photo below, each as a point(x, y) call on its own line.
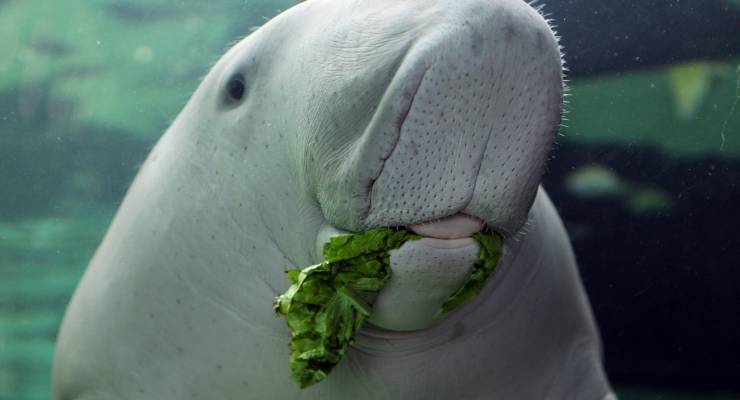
point(235, 88)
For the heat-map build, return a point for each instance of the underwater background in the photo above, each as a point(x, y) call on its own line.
point(646, 174)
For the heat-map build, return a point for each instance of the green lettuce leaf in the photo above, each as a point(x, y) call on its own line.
point(490, 252)
point(327, 303)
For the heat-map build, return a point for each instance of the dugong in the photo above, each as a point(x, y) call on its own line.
point(345, 115)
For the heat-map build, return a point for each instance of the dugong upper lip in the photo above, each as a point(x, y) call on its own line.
point(456, 226)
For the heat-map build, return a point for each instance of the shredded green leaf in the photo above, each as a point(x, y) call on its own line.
point(490, 252)
point(328, 303)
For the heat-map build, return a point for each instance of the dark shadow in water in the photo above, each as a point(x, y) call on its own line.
point(603, 36)
point(49, 159)
point(141, 13)
point(664, 288)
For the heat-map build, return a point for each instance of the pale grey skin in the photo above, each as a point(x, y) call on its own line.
point(359, 114)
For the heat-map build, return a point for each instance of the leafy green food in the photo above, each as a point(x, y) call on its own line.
point(328, 303)
point(490, 252)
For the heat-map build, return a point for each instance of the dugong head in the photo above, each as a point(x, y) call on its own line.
point(356, 114)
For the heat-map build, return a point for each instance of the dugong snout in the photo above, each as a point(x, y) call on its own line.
point(465, 124)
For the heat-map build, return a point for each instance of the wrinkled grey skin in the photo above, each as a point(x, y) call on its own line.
point(358, 114)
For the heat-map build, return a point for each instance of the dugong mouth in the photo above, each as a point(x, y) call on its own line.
point(425, 272)
point(450, 232)
point(455, 226)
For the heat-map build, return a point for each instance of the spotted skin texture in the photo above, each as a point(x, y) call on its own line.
point(355, 114)
point(478, 130)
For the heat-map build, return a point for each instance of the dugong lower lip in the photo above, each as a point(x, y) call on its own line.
point(457, 226)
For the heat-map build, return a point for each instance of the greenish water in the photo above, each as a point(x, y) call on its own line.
point(91, 84)
point(41, 261)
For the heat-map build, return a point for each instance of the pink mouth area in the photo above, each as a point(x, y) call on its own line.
point(455, 226)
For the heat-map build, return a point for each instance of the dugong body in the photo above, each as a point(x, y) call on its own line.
point(346, 114)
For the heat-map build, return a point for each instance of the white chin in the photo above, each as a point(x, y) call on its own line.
point(425, 275)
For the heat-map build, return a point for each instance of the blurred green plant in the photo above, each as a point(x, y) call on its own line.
point(690, 84)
